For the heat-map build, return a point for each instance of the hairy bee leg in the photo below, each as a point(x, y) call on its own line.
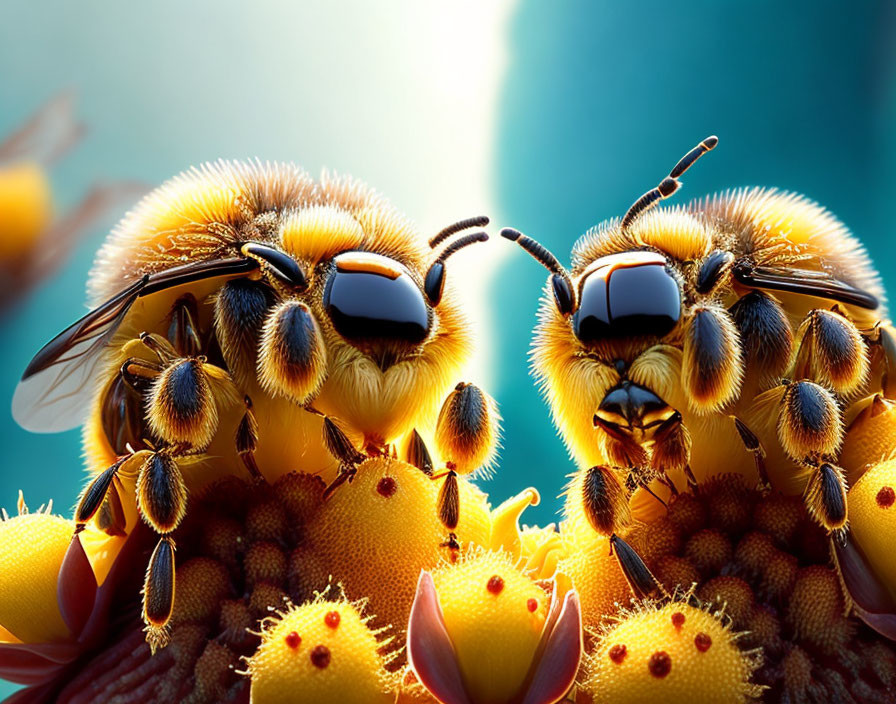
point(183, 333)
point(825, 498)
point(158, 593)
point(765, 333)
point(449, 511)
point(292, 357)
point(247, 440)
point(161, 492)
point(340, 446)
point(418, 454)
point(467, 428)
point(94, 495)
point(605, 500)
point(241, 307)
point(712, 362)
point(810, 424)
point(639, 577)
point(754, 447)
point(831, 351)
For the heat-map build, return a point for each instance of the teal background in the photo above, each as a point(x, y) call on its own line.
point(598, 101)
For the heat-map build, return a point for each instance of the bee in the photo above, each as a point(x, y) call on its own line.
point(248, 318)
point(732, 334)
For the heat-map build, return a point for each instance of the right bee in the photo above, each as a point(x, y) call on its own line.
point(732, 334)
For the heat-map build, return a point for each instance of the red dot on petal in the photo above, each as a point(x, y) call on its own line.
point(660, 664)
point(702, 641)
point(617, 653)
point(332, 619)
point(532, 605)
point(678, 620)
point(320, 656)
point(886, 497)
point(386, 487)
point(495, 585)
point(293, 639)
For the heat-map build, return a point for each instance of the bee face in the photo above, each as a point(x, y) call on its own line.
point(751, 319)
point(624, 295)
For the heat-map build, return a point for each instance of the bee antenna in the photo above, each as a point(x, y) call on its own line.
point(668, 185)
point(434, 282)
point(537, 250)
point(459, 226)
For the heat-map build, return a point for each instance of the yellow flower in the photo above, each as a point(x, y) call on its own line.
point(483, 632)
point(54, 590)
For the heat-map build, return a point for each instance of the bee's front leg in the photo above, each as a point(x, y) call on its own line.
point(466, 438)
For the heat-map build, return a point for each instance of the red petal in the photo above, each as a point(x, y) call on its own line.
point(34, 663)
point(39, 694)
point(872, 601)
point(555, 671)
point(430, 651)
point(76, 587)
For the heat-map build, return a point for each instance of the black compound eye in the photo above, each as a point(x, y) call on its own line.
point(627, 301)
point(375, 300)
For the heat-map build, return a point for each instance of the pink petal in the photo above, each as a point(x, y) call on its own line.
point(555, 671)
point(430, 651)
point(873, 602)
point(76, 587)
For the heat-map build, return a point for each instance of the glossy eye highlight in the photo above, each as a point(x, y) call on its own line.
point(375, 300)
point(627, 301)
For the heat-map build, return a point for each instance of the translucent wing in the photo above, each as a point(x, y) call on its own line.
point(53, 394)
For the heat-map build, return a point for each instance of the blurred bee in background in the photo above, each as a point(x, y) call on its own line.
point(33, 242)
point(250, 319)
point(731, 334)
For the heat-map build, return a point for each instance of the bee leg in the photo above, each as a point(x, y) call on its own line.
point(121, 414)
point(765, 333)
point(93, 497)
point(449, 511)
point(672, 450)
point(183, 334)
point(639, 577)
point(241, 306)
point(712, 362)
point(182, 405)
point(825, 498)
point(341, 447)
point(418, 454)
point(751, 442)
point(111, 516)
point(247, 441)
point(605, 500)
point(158, 593)
point(292, 357)
point(467, 428)
point(161, 492)
point(809, 421)
point(883, 336)
point(831, 351)
point(162, 501)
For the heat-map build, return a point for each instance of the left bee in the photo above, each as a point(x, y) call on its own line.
point(246, 301)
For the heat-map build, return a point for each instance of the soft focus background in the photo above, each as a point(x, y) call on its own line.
point(547, 116)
